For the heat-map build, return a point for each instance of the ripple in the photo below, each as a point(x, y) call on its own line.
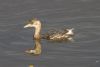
point(87, 37)
point(19, 43)
point(1, 25)
point(13, 53)
point(33, 10)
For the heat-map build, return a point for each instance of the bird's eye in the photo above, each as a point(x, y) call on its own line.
point(29, 22)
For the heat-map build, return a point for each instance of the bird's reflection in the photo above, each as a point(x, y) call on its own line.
point(31, 65)
point(36, 50)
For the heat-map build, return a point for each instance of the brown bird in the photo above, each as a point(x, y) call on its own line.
point(54, 36)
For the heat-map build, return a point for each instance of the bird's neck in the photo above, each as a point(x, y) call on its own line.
point(37, 32)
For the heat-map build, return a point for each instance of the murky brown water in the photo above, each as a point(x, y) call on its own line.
point(83, 15)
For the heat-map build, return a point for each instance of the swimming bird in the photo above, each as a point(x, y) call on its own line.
point(53, 36)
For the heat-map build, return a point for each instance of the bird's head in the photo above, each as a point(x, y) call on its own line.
point(33, 23)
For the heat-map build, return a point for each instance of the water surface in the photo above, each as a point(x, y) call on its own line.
point(83, 15)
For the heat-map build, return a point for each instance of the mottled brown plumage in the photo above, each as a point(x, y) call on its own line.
point(54, 35)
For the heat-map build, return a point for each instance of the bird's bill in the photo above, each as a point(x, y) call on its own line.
point(28, 25)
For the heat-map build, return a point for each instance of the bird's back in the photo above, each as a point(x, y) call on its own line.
point(57, 35)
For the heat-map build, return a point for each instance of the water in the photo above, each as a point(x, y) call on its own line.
point(83, 15)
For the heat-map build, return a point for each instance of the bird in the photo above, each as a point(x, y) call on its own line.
point(66, 34)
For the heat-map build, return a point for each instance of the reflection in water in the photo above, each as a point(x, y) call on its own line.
point(31, 65)
point(36, 50)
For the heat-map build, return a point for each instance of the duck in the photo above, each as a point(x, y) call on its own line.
point(66, 34)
